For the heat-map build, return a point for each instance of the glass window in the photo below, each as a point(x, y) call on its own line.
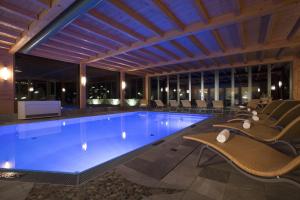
point(134, 87)
point(209, 86)
point(280, 81)
point(39, 78)
point(184, 86)
point(102, 86)
point(162, 89)
point(173, 87)
point(153, 86)
point(259, 81)
point(225, 86)
point(196, 85)
point(241, 85)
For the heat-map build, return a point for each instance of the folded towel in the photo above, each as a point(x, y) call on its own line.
point(254, 112)
point(242, 107)
point(255, 118)
point(246, 124)
point(248, 109)
point(223, 136)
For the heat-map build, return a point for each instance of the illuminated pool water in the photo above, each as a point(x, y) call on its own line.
point(74, 145)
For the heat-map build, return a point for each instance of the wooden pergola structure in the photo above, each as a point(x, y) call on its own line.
point(157, 37)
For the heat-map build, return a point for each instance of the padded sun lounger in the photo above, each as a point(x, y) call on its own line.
point(201, 105)
point(218, 106)
point(173, 104)
point(159, 104)
point(253, 158)
point(285, 130)
point(186, 104)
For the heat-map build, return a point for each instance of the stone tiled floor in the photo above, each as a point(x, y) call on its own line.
point(170, 165)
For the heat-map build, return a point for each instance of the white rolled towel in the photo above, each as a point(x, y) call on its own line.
point(248, 109)
point(255, 118)
point(254, 112)
point(242, 107)
point(223, 136)
point(246, 124)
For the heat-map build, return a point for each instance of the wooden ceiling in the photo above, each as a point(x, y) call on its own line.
point(167, 36)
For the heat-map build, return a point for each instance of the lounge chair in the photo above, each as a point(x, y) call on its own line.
point(252, 104)
point(254, 159)
point(267, 110)
point(186, 104)
point(201, 105)
point(218, 106)
point(173, 104)
point(159, 104)
point(285, 130)
point(272, 117)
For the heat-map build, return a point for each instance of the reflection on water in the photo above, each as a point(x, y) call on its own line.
point(74, 145)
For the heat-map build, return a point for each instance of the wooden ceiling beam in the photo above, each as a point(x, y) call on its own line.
point(17, 25)
point(111, 65)
point(87, 39)
point(219, 40)
point(198, 44)
point(66, 48)
point(145, 51)
point(242, 35)
point(8, 7)
point(4, 46)
point(136, 16)
point(62, 52)
point(53, 57)
point(279, 53)
point(164, 8)
point(235, 65)
point(41, 4)
point(265, 29)
point(247, 13)
point(103, 66)
point(83, 26)
point(202, 11)
point(237, 4)
point(141, 59)
point(294, 29)
point(43, 19)
point(115, 25)
point(58, 55)
point(9, 32)
point(75, 44)
point(166, 51)
point(7, 39)
point(245, 58)
point(118, 63)
point(182, 48)
point(126, 61)
point(254, 48)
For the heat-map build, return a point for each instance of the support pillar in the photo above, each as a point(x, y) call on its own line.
point(217, 85)
point(146, 88)
point(296, 79)
point(7, 86)
point(190, 87)
point(249, 83)
point(178, 88)
point(232, 86)
point(122, 88)
point(269, 80)
point(82, 86)
point(202, 86)
point(168, 89)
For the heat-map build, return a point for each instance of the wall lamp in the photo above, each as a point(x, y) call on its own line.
point(4, 73)
point(123, 85)
point(83, 80)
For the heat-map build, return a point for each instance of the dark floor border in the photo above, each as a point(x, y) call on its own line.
point(80, 178)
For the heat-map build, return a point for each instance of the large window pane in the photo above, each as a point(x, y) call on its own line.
point(209, 86)
point(163, 89)
point(225, 86)
point(134, 87)
point(153, 86)
point(45, 79)
point(184, 87)
point(196, 85)
point(280, 80)
point(241, 85)
point(259, 81)
point(173, 87)
point(102, 87)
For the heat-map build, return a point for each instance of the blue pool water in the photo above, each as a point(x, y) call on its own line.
point(74, 145)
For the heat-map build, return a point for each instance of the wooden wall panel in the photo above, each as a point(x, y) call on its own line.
point(7, 86)
point(296, 79)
